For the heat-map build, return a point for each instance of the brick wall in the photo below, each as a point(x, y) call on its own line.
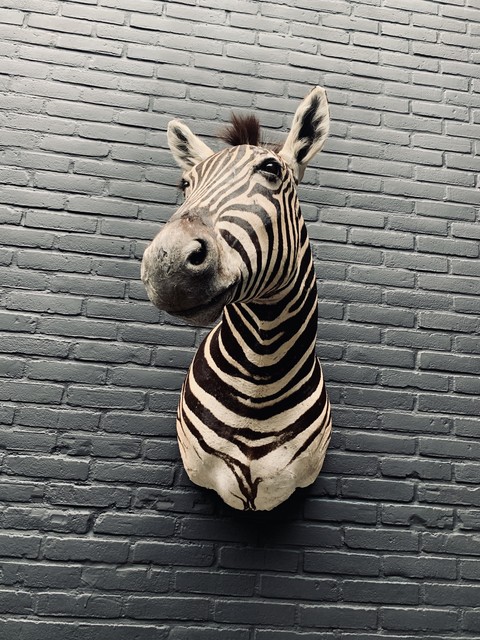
point(103, 537)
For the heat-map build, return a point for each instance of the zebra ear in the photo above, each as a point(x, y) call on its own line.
point(187, 148)
point(308, 133)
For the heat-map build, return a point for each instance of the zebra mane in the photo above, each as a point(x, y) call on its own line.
point(242, 130)
point(246, 130)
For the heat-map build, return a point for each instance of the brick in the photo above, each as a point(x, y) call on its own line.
point(83, 605)
point(97, 14)
point(93, 45)
point(86, 549)
point(351, 464)
point(450, 362)
point(41, 575)
point(381, 591)
point(336, 562)
point(88, 496)
point(380, 355)
point(21, 391)
point(430, 517)
point(78, 631)
point(216, 583)
point(415, 299)
point(105, 398)
point(381, 315)
point(143, 424)
point(459, 449)
point(46, 519)
point(16, 545)
point(136, 525)
point(420, 567)
point(402, 379)
point(443, 404)
point(464, 427)
point(165, 553)
point(375, 442)
point(25, 440)
point(99, 446)
point(207, 633)
point(343, 511)
point(269, 612)
point(450, 494)
point(82, 147)
point(448, 246)
point(416, 468)
point(125, 579)
point(391, 240)
point(468, 519)
point(66, 371)
point(382, 540)
point(16, 602)
point(430, 620)
point(47, 466)
point(320, 616)
point(471, 621)
point(448, 322)
point(373, 489)
point(122, 311)
point(77, 327)
point(466, 305)
point(133, 472)
point(88, 286)
point(257, 559)
point(176, 608)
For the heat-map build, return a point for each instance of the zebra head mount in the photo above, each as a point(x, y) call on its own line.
point(254, 418)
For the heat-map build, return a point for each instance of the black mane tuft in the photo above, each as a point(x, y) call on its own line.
point(242, 130)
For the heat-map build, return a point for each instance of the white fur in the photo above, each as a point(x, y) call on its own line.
point(187, 152)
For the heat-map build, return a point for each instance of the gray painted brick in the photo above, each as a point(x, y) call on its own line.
point(415, 567)
point(434, 620)
point(85, 549)
point(88, 496)
point(47, 466)
point(125, 579)
point(165, 553)
point(137, 525)
point(381, 591)
point(91, 370)
point(319, 616)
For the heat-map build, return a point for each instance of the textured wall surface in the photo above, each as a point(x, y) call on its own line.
point(103, 537)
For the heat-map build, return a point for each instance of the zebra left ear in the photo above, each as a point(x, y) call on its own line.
point(187, 148)
point(308, 133)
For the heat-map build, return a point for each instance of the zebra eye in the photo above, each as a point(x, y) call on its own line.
point(183, 184)
point(271, 168)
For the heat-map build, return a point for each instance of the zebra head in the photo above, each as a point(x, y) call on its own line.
point(236, 235)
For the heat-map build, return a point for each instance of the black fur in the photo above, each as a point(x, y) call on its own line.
point(242, 130)
point(308, 129)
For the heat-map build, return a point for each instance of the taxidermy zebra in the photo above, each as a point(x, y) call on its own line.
point(254, 417)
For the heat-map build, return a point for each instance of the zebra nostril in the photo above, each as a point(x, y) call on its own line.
point(198, 254)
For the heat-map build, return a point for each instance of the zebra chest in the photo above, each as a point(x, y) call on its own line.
point(252, 441)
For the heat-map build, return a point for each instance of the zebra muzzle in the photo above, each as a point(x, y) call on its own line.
point(183, 276)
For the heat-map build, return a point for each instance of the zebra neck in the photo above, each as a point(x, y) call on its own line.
point(266, 338)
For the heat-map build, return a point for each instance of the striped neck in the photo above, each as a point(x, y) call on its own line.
point(269, 337)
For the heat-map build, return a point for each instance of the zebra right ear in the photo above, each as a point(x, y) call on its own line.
point(187, 148)
point(309, 131)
